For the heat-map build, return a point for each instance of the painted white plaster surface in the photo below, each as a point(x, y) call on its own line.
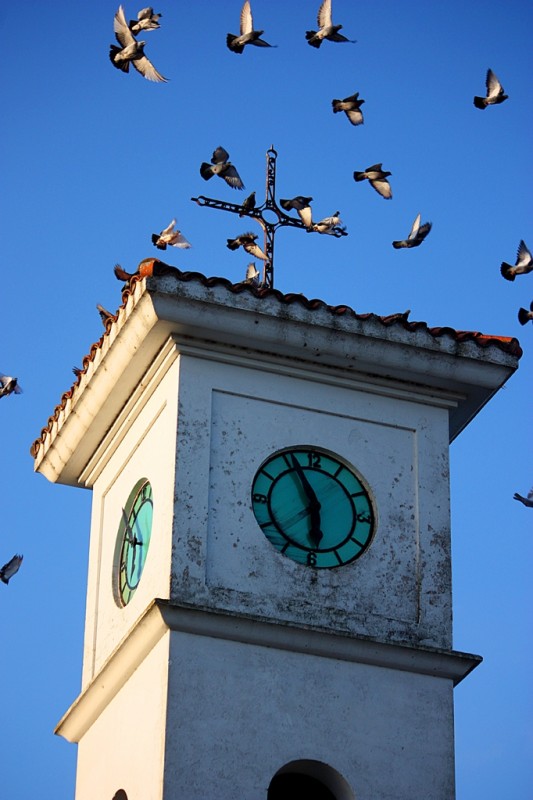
point(124, 748)
point(147, 450)
point(231, 418)
point(237, 713)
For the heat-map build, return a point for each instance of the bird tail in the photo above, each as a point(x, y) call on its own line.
point(205, 171)
point(506, 271)
point(121, 274)
point(359, 176)
point(309, 35)
point(235, 48)
point(157, 243)
point(523, 316)
point(335, 104)
point(232, 244)
point(123, 65)
point(397, 245)
point(479, 102)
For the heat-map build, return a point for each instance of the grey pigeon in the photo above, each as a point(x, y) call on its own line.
point(527, 501)
point(223, 168)
point(523, 265)
point(416, 236)
point(253, 276)
point(248, 204)
point(247, 36)
point(525, 316)
point(326, 28)
point(9, 385)
point(495, 93)
point(329, 224)
point(247, 241)
point(377, 179)
point(131, 51)
point(170, 236)
point(10, 569)
point(146, 21)
point(302, 206)
point(351, 107)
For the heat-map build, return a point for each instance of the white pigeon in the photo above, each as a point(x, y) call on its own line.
point(523, 265)
point(221, 166)
point(170, 236)
point(247, 36)
point(416, 236)
point(302, 206)
point(253, 276)
point(495, 93)
point(10, 569)
point(9, 385)
point(326, 28)
point(131, 51)
point(328, 224)
point(351, 107)
point(146, 21)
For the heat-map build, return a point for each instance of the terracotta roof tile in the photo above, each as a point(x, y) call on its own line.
point(153, 268)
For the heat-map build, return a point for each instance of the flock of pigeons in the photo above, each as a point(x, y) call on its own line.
point(131, 51)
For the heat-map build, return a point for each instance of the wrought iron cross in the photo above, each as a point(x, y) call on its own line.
point(257, 213)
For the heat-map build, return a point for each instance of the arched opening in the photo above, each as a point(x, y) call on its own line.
point(308, 778)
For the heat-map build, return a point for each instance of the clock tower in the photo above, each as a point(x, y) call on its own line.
point(269, 609)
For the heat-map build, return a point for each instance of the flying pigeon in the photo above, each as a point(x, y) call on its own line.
point(302, 206)
point(523, 265)
point(417, 235)
point(253, 276)
point(223, 168)
point(105, 315)
point(527, 501)
point(170, 236)
point(326, 28)
point(329, 224)
point(247, 241)
point(248, 36)
point(248, 204)
point(132, 51)
point(10, 569)
point(9, 385)
point(377, 178)
point(524, 316)
point(146, 21)
point(351, 107)
point(495, 92)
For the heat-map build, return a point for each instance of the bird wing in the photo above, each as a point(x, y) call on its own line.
point(9, 569)
point(180, 241)
point(232, 177)
point(247, 23)
point(306, 215)
point(220, 156)
point(355, 116)
point(251, 272)
point(493, 85)
point(324, 14)
point(424, 230)
point(169, 228)
point(415, 227)
point(122, 33)
point(382, 187)
point(145, 13)
point(147, 70)
point(523, 256)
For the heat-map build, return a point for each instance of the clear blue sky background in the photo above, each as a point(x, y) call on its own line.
point(94, 161)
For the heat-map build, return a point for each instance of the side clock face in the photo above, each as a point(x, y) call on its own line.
point(312, 507)
point(133, 539)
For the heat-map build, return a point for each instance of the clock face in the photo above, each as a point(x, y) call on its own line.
point(312, 506)
point(133, 539)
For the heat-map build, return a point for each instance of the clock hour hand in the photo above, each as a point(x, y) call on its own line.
point(315, 534)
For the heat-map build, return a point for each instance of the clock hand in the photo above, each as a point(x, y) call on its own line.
point(315, 534)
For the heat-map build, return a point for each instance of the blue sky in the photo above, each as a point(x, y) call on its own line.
point(94, 161)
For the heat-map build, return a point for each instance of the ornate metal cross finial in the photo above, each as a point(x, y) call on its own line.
point(269, 227)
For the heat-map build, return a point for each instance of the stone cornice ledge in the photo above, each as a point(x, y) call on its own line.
point(162, 616)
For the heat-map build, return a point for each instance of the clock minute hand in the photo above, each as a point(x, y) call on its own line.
point(315, 534)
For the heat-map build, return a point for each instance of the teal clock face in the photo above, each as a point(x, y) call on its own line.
point(313, 507)
point(133, 540)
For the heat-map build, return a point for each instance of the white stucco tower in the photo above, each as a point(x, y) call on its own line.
point(269, 610)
